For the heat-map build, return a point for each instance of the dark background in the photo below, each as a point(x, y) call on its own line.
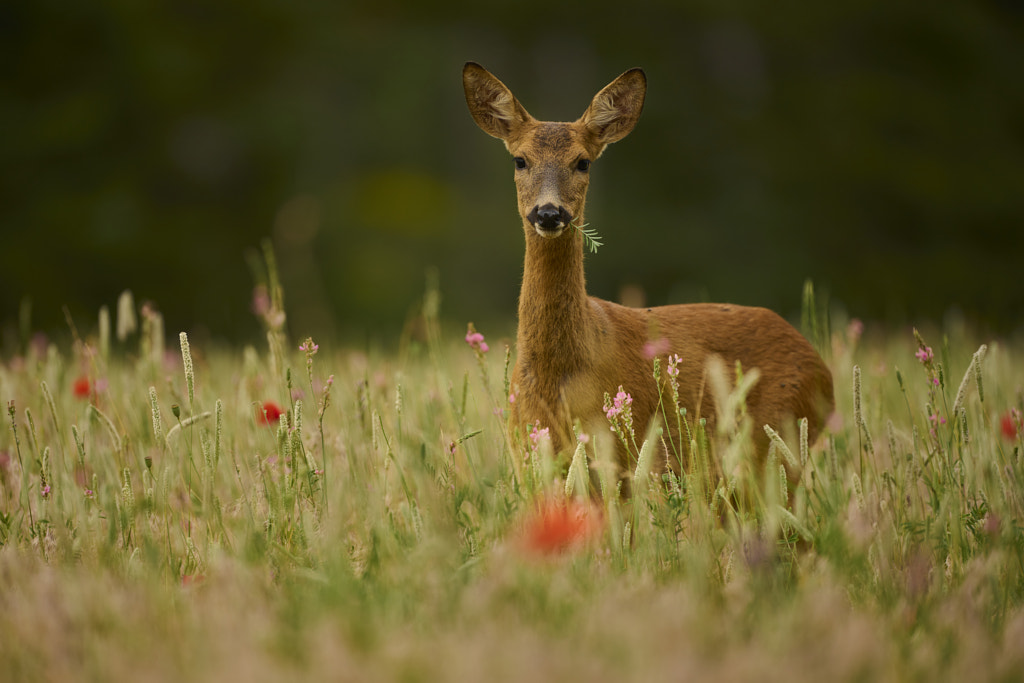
point(875, 147)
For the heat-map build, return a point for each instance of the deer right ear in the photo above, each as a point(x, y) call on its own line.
point(494, 108)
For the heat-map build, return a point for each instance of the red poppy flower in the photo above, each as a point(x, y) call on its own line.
point(81, 387)
point(269, 413)
point(189, 580)
point(1008, 426)
point(558, 526)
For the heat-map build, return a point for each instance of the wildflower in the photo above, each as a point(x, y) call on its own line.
point(512, 397)
point(310, 349)
point(260, 301)
point(583, 438)
point(46, 491)
point(615, 408)
point(81, 387)
point(673, 365)
point(476, 341)
point(658, 347)
point(269, 413)
point(192, 580)
point(1009, 425)
point(537, 434)
point(557, 526)
point(854, 330)
point(924, 354)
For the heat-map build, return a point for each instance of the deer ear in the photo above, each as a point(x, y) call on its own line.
point(615, 110)
point(491, 103)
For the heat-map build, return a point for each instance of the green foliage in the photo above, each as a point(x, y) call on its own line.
point(380, 525)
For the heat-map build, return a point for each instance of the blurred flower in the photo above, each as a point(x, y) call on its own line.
point(924, 354)
point(81, 387)
point(476, 341)
point(260, 301)
point(538, 434)
point(655, 348)
point(1009, 425)
point(854, 331)
point(557, 526)
point(269, 413)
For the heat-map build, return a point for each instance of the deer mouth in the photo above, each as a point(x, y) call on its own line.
point(548, 233)
point(549, 220)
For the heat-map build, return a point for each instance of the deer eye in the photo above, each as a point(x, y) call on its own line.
point(520, 163)
point(583, 165)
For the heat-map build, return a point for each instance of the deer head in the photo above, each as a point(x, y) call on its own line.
point(552, 160)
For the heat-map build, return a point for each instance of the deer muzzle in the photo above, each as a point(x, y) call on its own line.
point(549, 219)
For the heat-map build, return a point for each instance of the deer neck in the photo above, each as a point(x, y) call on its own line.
point(554, 313)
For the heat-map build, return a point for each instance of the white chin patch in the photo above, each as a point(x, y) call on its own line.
point(549, 233)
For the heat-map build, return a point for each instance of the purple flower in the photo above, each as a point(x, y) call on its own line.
point(924, 354)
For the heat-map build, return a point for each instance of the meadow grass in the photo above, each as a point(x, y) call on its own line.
point(296, 511)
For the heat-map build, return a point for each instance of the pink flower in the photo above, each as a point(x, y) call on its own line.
point(309, 347)
point(260, 301)
point(476, 340)
point(924, 354)
point(854, 330)
point(512, 397)
point(537, 434)
point(655, 348)
point(673, 365)
point(619, 404)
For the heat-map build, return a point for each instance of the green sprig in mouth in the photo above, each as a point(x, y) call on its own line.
point(590, 237)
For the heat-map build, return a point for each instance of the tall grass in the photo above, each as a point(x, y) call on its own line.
point(297, 510)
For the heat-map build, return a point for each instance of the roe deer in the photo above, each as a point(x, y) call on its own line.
point(572, 348)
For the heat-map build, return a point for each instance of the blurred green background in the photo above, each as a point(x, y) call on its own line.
point(877, 148)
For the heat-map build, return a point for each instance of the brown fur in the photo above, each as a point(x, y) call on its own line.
point(573, 348)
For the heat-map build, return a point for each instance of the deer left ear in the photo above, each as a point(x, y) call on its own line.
point(616, 109)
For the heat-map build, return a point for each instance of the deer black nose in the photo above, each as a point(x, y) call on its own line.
point(549, 217)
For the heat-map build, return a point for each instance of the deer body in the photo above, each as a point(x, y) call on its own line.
point(573, 348)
